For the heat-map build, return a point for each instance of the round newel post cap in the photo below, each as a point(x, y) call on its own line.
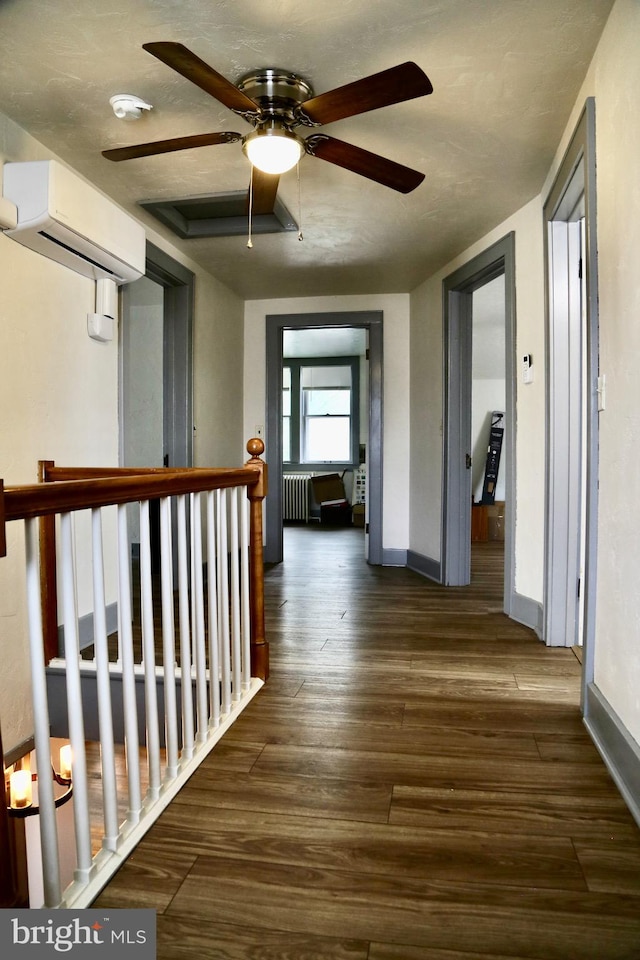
point(255, 447)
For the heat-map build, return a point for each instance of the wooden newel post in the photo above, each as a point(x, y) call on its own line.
point(256, 494)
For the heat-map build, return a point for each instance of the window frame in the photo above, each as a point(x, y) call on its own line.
point(295, 364)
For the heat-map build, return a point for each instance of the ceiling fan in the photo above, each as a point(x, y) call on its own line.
point(275, 103)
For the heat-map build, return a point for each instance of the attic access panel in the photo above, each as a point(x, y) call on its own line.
point(218, 215)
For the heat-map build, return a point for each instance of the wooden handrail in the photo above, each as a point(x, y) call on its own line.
point(43, 499)
point(51, 472)
point(64, 489)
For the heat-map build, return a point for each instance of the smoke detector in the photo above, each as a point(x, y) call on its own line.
point(127, 107)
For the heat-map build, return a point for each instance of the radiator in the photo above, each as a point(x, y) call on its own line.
point(295, 497)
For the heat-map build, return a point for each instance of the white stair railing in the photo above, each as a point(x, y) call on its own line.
point(213, 514)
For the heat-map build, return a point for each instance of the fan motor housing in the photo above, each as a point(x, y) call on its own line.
point(277, 92)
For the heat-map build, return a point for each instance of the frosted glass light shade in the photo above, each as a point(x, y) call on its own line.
point(273, 150)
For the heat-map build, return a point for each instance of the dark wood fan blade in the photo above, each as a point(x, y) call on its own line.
point(265, 190)
point(168, 146)
point(404, 82)
point(186, 63)
point(387, 172)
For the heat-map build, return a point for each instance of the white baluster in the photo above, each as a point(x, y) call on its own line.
point(214, 651)
point(125, 656)
point(223, 602)
point(168, 640)
point(74, 701)
point(198, 622)
point(185, 641)
point(235, 596)
point(48, 825)
point(149, 653)
point(103, 684)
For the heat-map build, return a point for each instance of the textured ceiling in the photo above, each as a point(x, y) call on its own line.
point(505, 76)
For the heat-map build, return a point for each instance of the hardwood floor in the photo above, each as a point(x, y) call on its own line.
point(413, 783)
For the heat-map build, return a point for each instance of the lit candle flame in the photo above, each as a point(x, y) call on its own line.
point(20, 789)
point(65, 761)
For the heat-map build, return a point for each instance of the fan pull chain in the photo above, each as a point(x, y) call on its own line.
point(250, 241)
point(300, 237)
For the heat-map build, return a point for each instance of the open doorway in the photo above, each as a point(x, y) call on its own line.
point(325, 426)
point(488, 402)
point(156, 374)
point(286, 434)
point(142, 364)
point(461, 341)
point(156, 365)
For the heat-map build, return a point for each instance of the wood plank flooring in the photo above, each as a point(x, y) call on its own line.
point(413, 783)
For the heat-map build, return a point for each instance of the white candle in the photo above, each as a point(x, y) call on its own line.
point(65, 761)
point(20, 789)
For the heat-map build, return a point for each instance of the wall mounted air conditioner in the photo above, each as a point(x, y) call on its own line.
point(68, 220)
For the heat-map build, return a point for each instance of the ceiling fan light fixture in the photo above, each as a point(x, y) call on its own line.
point(272, 148)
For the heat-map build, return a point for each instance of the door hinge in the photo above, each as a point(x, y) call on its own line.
point(468, 460)
point(165, 460)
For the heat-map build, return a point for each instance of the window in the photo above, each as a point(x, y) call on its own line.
point(320, 411)
point(286, 414)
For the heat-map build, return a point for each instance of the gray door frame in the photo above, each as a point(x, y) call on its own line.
point(276, 324)
point(458, 288)
point(576, 179)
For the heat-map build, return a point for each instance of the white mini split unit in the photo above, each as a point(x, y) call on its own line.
point(66, 219)
point(69, 221)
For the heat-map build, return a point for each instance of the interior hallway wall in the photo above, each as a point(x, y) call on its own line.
point(614, 81)
point(427, 411)
point(396, 453)
point(59, 394)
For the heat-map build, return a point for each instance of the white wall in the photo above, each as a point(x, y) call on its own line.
point(614, 80)
point(427, 360)
point(220, 437)
point(395, 467)
point(58, 394)
point(59, 399)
